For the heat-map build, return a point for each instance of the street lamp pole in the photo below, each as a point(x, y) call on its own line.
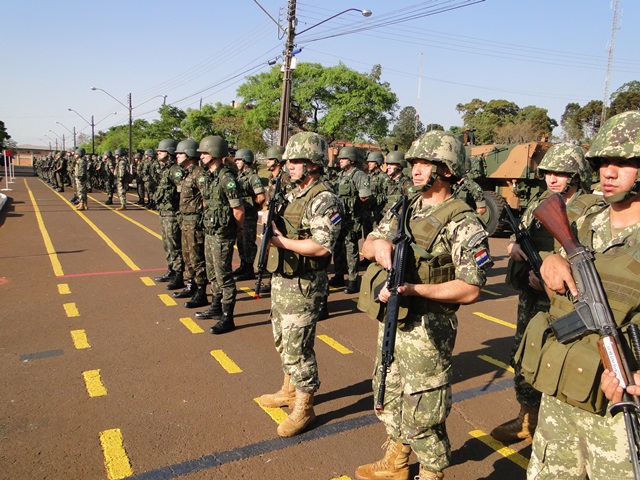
point(72, 132)
point(61, 138)
point(92, 124)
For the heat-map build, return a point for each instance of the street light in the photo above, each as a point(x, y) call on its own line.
point(61, 138)
point(72, 132)
point(130, 107)
point(283, 124)
point(90, 123)
point(55, 140)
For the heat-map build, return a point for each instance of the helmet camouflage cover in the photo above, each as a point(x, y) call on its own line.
point(307, 146)
point(440, 147)
point(567, 158)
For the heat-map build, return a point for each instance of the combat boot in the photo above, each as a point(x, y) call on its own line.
point(74, 199)
point(521, 428)
point(246, 274)
point(427, 475)
point(285, 397)
point(337, 281)
point(121, 207)
point(300, 418)
point(226, 324)
point(214, 312)
point(86, 205)
point(188, 291)
point(167, 277)
point(239, 270)
point(81, 206)
point(199, 298)
point(393, 466)
point(352, 287)
point(323, 311)
point(109, 200)
point(177, 281)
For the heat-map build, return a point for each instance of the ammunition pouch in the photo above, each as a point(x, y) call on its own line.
point(518, 275)
point(372, 282)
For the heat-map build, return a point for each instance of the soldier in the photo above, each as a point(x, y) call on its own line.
point(565, 171)
point(138, 172)
point(399, 183)
point(577, 437)
point(60, 170)
point(109, 175)
point(450, 235)
point(469, 191)
point(379, 182)
point(354, 190)
point(149, 164)
point(122, 176)
point(71, 168)
point(167, 200)
point(303, 239)
point(191, 224)
point(223, 223)
point(81, 179)
point(90, 173)
point(253, 199)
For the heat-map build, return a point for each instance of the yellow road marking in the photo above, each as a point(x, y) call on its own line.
point(495, 362)
point(167, 300)
point(495, 320)
point(95, 387)
point(147, 281)
point(277, 414)
point(80, 340)
point(53, 256)
point(225, 362)
point(191, 325)
point(333, 344)
point(248, 291)
point(506, 452)
point(71, 310)
point(343, 477)
point(495, 294)
point(63, 289)
point(115, 458)
point(137, 224)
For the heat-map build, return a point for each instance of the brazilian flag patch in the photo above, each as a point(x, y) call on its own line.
point(231, 185)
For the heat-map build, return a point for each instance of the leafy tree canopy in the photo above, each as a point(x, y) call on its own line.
point(4, 136)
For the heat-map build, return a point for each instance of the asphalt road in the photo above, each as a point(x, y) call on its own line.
point(104, 376)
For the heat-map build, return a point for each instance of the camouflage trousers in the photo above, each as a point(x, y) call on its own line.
point(572, 444)
point(418, 392)
point(122, 191)
point(347, 253)
point(140, 188)
point(108, 184)
point(193, 251)
point(247, 248)
point(171, 240)
point(81, 189)
point(150, 189)
point(218, 253)
point(295, 308)
point(530, 302)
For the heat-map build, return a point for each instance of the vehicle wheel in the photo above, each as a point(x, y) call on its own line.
point(491, 218)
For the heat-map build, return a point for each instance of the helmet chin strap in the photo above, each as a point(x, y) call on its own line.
point(621, 197)
point(432, 179)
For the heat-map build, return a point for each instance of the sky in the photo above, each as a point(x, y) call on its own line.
point(434, 54)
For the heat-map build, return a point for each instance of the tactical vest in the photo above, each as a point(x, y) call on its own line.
point(571, 372)
point(166, 197)
point(285, 261)
point(218, 216)
point(244, 185)
point(348, 194)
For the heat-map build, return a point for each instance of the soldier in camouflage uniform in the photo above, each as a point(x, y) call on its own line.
point(223, 223)
point(167, 200)
point(469, 191)
point(379, 182)
point(399, 183)
point(109, 176)
point(253, 198)
point(81, 176)
point(192, 224)
point(303, 239)
point(565, 171)
point(138, 168)
point(450, 235)
point(122, 176)
point(577, 439)
point(354, 192)
point(149, 163)
point(60, 170)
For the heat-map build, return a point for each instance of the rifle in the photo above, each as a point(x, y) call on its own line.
point(267, 232)
point(523, 238)
point(395, 279)
point(593, 315)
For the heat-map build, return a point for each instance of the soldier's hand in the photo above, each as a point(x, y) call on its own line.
point(481, 210)
point(534, 282)
point(384, 250)
point(384, 295)
point(516, 253)
point(610, 385)
point(557, 277)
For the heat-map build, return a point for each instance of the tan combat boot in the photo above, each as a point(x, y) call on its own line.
point(86, 205)
point(518, 429)
point(301, 416)
point(121, 207)
point(394, 465)
point(427, 475)
point(80, 206)
point(285, 397)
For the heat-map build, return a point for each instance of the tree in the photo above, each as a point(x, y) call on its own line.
point(487, 117)
point(4, 136)
point(405, 130)
point(521, 132)
point(626, 98)
point(536, 122)
point(571, 124)
point(167, 126)
point(590, 116)
point(199, 123)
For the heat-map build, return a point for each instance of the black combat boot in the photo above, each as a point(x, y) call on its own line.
point(167, 277)
point(199, 298)
point(214, 312)
point(109, 200)
point(246, 274)
point(337, 281)
point(74, 199)
point(352, 287)
point(177, 282)
point(323, 310)
point(189, 291)
point(226, 324)
point(239, 270)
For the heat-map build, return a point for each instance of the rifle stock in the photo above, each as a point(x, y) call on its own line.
point(267, 233)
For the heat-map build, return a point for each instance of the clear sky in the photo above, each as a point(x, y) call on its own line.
point(544, 52)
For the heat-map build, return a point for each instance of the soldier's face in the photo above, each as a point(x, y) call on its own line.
point(372, 166)
point(239, 163)
point(205, 158)
point(181, 157)
point(344, 163)
point(297, 167)
point(556, 181)
point(421, 171)
point(617, 175)
point(162, 155)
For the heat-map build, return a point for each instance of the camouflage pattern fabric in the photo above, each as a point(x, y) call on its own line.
point(398, 186)
point(251, 186)
point(81, 178)
point(469, 191)
point(379, 182)
point(218, 252)
point(122, 168)
point(110, 178)
point(171, 240)
point(192, 227)
point(441, 147)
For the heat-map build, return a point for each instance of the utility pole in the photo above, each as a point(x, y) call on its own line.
point(130, 129)
point(283, 125)
point(605, 102)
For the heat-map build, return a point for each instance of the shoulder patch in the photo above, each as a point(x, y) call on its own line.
point(231, 184)
point(476, 239)
point(178, 174)
point(482, 257)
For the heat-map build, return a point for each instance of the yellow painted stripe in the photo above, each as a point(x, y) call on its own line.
point(137, 224)
point(248, 291)
point(63, 289)
point(115, 458)
point(80, 340)
point(333, 344)
point(495, 362)
point(53, 257)
point(147, 281)
point(225, 362)
point(191, 325)
point(167, 300)
point(495, 320)
point(495, 294)
point(277, 414)
point(506, 452)
point(95, 387)
point(71, 310)
point(343, 477)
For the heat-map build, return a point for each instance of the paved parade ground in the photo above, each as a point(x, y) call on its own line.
point(105, 376)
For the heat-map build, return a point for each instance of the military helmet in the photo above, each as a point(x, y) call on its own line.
point(396, 157)
point(440, 147)
point(120, 151)
point(81, 151)
point(108, 153)
point(375, 157)
point(150, 153)
point(567, 158)
point(307, 146)
point(215, 146)
point(349, 152)
point(168, 145)
point(188, 146)
point(138, 156)
point(275, 152)
point(244, 154)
